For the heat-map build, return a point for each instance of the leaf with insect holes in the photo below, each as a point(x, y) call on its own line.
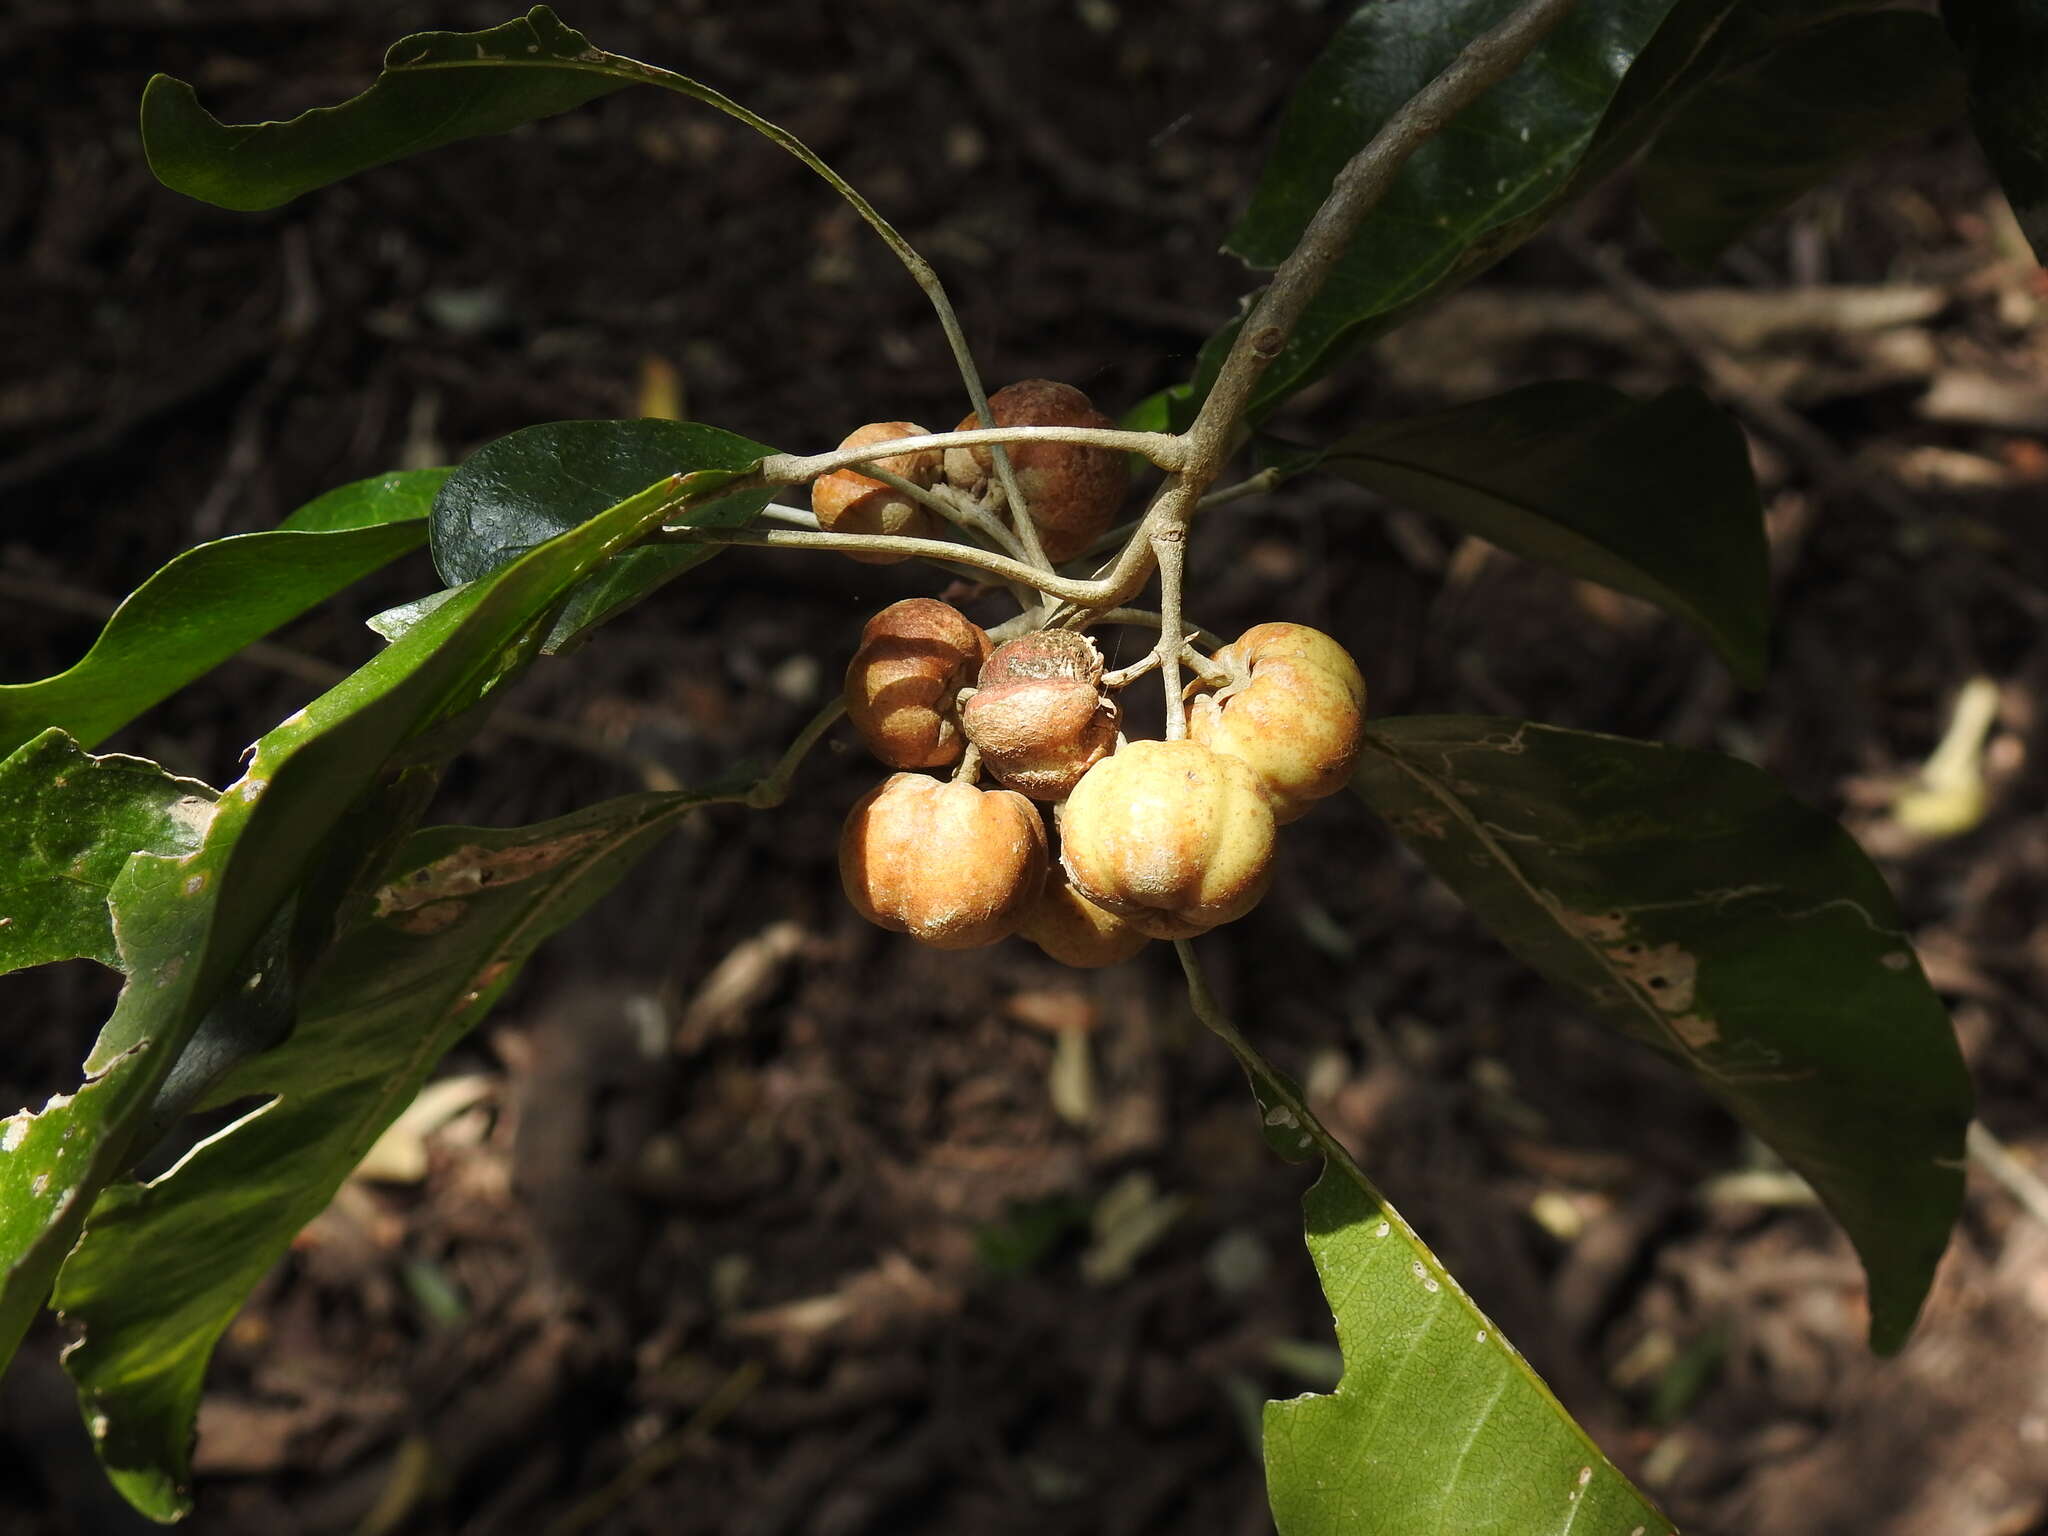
point(1655, 498)
point(1686, 900)
point(164, 1267)
point(215, 598)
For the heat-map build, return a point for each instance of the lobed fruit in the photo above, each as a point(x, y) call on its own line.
point(1170, 836)
point(1298, 721)
point(1039, 714)
point(847, 501)
point(951, 865)
point(1073, 491)
point(1074, 930)
point(914, 658)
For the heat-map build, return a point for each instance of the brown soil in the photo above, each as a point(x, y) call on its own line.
point(752, 1219)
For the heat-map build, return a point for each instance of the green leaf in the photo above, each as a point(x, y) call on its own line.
point(1746, 147)
point(1438, 1423)
point(213, 599)
point(2004, 45)
point(1486, 182)
point(436, 88)
point(184, 925)
point(525, 488)
point(164, 1267)
point(1685, 899)
point(1654, 498)
point(68, 822)
point(399, 496)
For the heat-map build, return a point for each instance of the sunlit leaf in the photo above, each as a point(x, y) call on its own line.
point(185, 925)
point(68, 823)
point(164, 1267)
point(1438, 1423)
point(216, 598)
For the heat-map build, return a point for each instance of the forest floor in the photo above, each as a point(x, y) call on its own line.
point(741, 1216)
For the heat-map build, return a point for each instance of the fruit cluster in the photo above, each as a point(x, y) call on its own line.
point(1156, 839)
point(1071, 491)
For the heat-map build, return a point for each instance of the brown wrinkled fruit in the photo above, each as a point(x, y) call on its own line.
point(847, 501)
point(951, 865)
point(1170, 836)
point(1038, 714)
point(1074, 930)
point(1073, 490)
point(914, 658)
point(1298, 723)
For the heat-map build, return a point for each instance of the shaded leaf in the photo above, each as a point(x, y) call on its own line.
point(527, 487)
point(1438, 1423)
point(184, 925)
point(1654, 498)
point(215, 598)
point(1486, 182)
point(2004, 45)
point(68, 822)
point(1749, 144)
point(436, 88)
point(1685, 899)
point(164, 1267)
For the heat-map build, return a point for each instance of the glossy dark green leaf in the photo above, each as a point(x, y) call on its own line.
point(1754, 140)
point(215, 598)
point(68, 823)
point(1485, 182)
point(1685, 899)
point(2004, 45)
point(527, 487)
point(436, 88)
point(1651, 497)
point(185, 925)
point(1437, 1423)
point(164, 1267)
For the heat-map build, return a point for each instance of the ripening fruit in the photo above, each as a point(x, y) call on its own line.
point(1170, 836)
point(1038, 714)
point(847, 501)
point(914, 658)
point(1073, 490)
point(951, 865)
point(1074, 930)
point(1298, 723)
